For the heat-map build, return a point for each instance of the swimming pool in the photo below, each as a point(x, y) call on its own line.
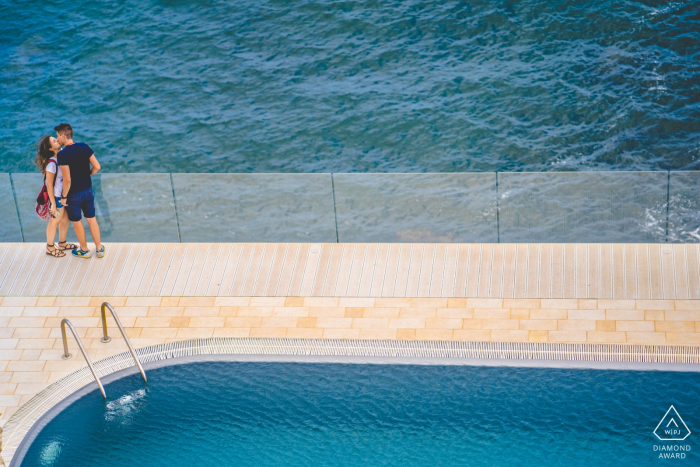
point(228, 413)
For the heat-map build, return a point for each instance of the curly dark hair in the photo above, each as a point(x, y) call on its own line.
point(43, 152)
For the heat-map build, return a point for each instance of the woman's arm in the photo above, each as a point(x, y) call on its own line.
point(66, 182)
point(50, 176)
point(95, 165)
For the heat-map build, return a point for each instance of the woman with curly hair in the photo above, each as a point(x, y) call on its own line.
point(46, 151)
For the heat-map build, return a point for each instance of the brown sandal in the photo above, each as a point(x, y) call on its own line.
point(67, 246)
point(56, 253)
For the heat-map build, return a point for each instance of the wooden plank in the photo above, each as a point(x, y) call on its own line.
point(215, 251)
point(358, 262)
point(300, 267)
point(680, 271)
point(341, 286)
point(557, 270)
point(464, 259)
point(436, 279)
point(232, 265)
point(630, 271)
point(276, 270)
point(510, 265)
point(189, 286)
point(37, 275)
point(127, 271)
point(161, 271)
point(265, 268)
point(324, 263)
point(581, 270)
point(254, 269)
point(655, 275)
point(58, 283)
point(23, 256)
point(606, 271)
point(496, 287)
point(618, 270)
point(34, 254)
point(569, 279)
point(534, 253)
point(288, 268)
point(693, 271)
point(545, 287)
point(185, 269)
point(426, 270)
point(311, 269)
point(150, 270)
point(667, 272)
point(594, 270)
point(473, 273)
point(521, 258)
point(10, 251)
point(96, 267)
point(485, 269)
point(110, 281)
point(244, 263)
point(331, 279)
point(368, 268)
point(643, 286)
point(381, 270)
point(139, 270)
point(414, 270)
point(450, 274)
point(402, 270)
point(174, 268)
point(79, 284)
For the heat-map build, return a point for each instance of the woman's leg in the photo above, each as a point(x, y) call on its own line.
point(63, 232)
point(51, 236)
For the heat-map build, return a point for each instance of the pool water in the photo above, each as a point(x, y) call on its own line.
point(309, 414)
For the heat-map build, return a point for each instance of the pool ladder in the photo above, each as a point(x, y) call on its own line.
point(66, 355)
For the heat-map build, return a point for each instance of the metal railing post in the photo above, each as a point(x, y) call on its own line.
point(67, 355)
point(106, 338)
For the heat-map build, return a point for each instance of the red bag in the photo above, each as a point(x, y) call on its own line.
point(43, 202)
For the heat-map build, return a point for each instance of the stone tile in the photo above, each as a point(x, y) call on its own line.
point(243, 322)
point(29, 377)
point(367, 333)
point(519, 313)
point(567, 336)
point(370, 323)
point(484, 303)
point(165, 311)
point(142, 301)
point(538, 324)
point(441, 323)
point(197, 301)
point(355, 312)
point(586, 314)
point(587, 304)
point(671, 315)
point(655, 304)
point(304, 333)
point(292, 301)
point(395, 302)
point(674, 326)
point(616, 304)
point(83, 311)
point(19, 365)
point(356, 302)
point(500, 324)
point(231, 332)
point(307, 322)
point(471, 335)
point(549, 314)
point(646, 338)
point(326, 312)
point(521, 303)
point(268, 332)
point(606, 337)
point(7, 389)
point(538, 336)
point(576, 325)
point(334, 323)
point(456, 303)
point(160, 333)
point(267, 301)
point(30, 389)
point(434, 334)
point(447, 313)
point(8, 344)
point(472, 324)
point(180, 322)
point(207, 322)
point(9, 352)
point(228, 311)
point(130, 311)
point(321, 301)
point(374, 312)
point(279, 322)
point(625, 315)
point(559, 303)
point(508, 335)
point(638, 326)
point(291, 311)
point(254, 311)
point(194, 333)
point(654, 315)
point(35, 343)
point(412, 323)
point(234, 301)
point(11, 311)
point(680, 305)
point(405, 334)
point(114, 301)
point(18, 301)
point(607, 326)
point(428, 303)
point(211, 311)
point(156, 322)
point(45, 301)
point(37, 311)
point(492, 313)
point(31, 333)
point(72, 301)
point(330, 333)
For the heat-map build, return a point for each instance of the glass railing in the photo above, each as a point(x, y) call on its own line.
point(579, 207)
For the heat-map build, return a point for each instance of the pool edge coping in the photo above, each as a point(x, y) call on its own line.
point(524, 354)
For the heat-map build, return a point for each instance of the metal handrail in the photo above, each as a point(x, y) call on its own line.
point(106, 338)
point(67, 355)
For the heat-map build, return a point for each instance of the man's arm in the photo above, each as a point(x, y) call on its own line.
point(66, 180)
point(95, 165)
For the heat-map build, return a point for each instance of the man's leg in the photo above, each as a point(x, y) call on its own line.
point(80, 233)
point(94, 231)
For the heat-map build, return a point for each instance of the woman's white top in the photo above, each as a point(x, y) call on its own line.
point(58, 183)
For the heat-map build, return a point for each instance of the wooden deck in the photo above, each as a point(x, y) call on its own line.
point(596, 271)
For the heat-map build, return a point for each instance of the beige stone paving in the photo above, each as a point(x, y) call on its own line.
point(31, 347)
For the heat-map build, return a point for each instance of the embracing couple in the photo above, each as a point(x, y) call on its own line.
point(68, 184)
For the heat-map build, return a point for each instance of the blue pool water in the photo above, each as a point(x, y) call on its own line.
point(355, 86)
point(287, 414)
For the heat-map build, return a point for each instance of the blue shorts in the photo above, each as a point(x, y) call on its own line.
point(58, 203)
point(82, 201)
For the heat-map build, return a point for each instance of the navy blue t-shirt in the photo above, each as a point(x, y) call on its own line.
point(77, 158)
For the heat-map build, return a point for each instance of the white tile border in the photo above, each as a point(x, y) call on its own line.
point(598, 356)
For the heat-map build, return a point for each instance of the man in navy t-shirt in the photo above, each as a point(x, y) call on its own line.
point(78, 163)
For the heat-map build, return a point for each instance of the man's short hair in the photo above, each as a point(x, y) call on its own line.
point(65, 129)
